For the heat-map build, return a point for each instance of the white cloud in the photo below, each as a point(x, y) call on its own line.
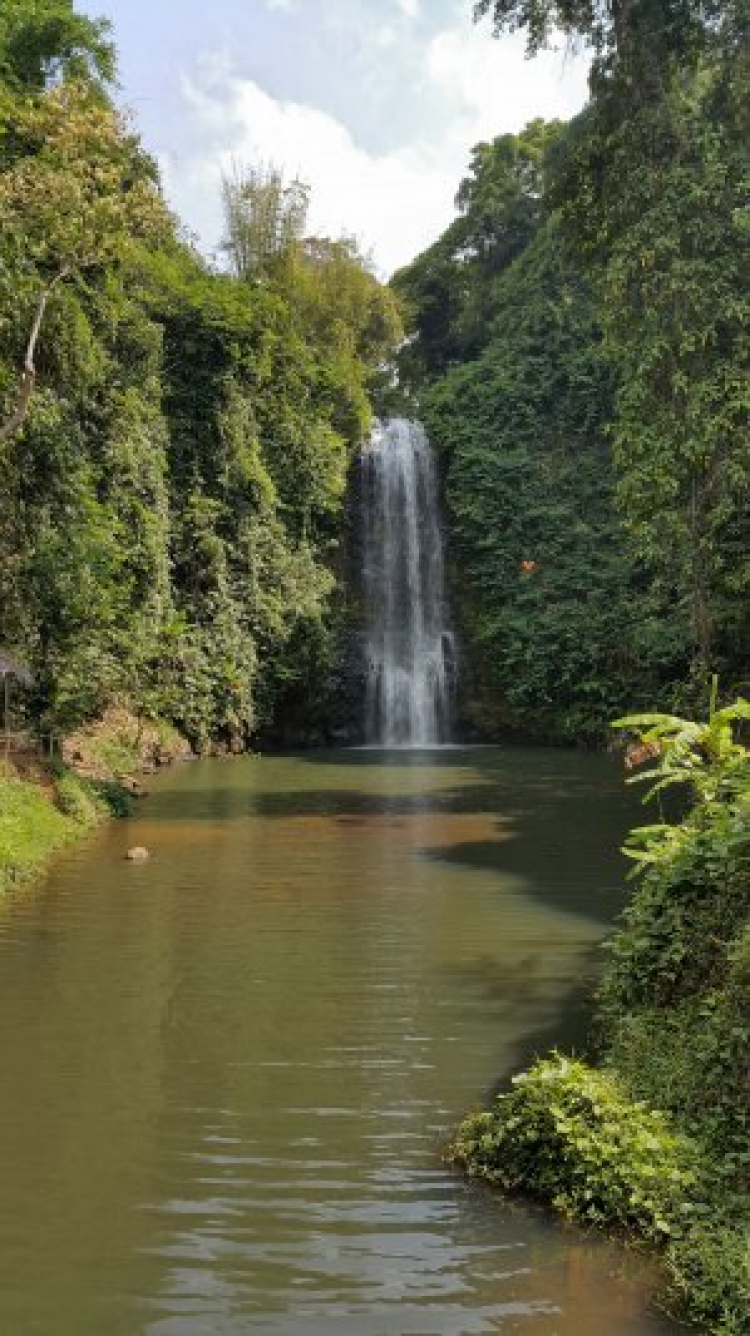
point(497, 87)
point(395, 202)
point(410, 8)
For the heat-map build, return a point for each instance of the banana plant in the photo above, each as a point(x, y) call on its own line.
point(705, 756)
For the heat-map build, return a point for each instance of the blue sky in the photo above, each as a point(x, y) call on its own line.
point(375, 103)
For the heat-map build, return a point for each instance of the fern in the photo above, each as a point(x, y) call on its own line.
point(708, 758)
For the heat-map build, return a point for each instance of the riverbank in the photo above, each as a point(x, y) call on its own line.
point(653, 1142)
point(47, 804)
point(34, 822)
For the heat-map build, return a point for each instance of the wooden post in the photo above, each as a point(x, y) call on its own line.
point(6, 720)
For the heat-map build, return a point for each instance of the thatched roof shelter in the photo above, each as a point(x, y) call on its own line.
point(10, 667)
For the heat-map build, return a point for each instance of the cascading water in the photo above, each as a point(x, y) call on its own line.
point(409, 646)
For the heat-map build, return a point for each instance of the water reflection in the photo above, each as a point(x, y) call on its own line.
point(229, 1072)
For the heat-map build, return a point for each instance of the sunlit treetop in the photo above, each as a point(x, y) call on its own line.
point(81, 188)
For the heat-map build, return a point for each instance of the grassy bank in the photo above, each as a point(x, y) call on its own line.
point(40, 814)
point(46, 805)
point(655, 1141)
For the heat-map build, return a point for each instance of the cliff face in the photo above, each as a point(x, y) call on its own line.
point(322, 703)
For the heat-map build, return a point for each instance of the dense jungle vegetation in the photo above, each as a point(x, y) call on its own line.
point(579, 350)
point(174, 440)
point(654, 1141)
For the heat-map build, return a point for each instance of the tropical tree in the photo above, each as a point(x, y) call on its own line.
point(264, 218)
point(449, 290)
point(76, 192)
point(652, 186)
point(43, 40)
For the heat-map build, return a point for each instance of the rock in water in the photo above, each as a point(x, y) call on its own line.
point(138, 854)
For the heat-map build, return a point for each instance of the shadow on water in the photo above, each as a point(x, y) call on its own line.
point(543, 801)
point(568, 1030)
point(532, 807)
point(261, 1039)
point(535, 804)
point(526, 847)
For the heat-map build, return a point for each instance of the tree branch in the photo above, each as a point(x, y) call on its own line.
point(28, 376)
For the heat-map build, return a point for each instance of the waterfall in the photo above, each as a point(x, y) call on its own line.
point(409, 646)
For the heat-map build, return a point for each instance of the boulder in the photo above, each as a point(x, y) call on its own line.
point(137, 854)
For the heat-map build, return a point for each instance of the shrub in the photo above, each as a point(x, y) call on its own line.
point(570, 1135)
point(77, 800)
point(710, 1270)
point(673, 937)
point(673, 1012)
point(692, 1060)
point(111, 797)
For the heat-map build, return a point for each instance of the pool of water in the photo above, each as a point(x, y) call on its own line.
point(228, 1074)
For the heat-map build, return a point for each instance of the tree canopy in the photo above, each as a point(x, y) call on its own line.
point(44, 40)
point(614, 250)
point(177, 438)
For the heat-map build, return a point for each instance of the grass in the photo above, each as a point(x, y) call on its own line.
point(36, 819)
point(32, 827)
point(47, 806)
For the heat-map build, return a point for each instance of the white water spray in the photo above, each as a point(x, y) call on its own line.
point(410, 648)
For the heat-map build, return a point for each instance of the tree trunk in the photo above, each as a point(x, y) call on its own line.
point(28, 377)
point(701, 580)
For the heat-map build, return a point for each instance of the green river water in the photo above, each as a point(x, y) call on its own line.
point(228, 1074)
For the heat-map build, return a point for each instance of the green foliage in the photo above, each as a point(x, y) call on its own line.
point(544, 593)
point(668, 944)
point(449, 290)
point(81, 800)
point(657, 1142)
point(676, 309)
point(649, 1051)
point(710, 1275)
point(37, 818)
point(42, 39)
point(76, 189)
point(651, 185)
point(674, 998)
point(176, 457)
point(704, 757)
point(109, 798)
point(629, 43)
point(30, 829)
point(573, 1136)
point(264, 220)
point(34, 823)
point(344, 310)
point(119, 756)
point(683, 928)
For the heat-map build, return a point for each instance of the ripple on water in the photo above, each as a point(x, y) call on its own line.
point(229, 1074)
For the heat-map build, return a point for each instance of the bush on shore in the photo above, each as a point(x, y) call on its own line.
point(656, 1142)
